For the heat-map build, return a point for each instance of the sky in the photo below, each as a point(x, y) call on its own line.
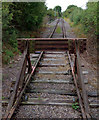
point(65, 3)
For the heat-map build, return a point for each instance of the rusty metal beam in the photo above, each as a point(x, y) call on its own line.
point(17, 101)
point(46, 39)
point(77, 88)
point(81, 82)
point(19, 77)
point(57, 44)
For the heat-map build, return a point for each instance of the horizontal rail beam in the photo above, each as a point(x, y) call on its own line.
point(41, 39)
point(57, 44)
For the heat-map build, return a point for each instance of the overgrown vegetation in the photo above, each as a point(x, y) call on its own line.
point(54, 13)
point(88, 17)
point(58, 29)
point(51, 14)
point(57, 10)
point(84, 23)
point(75, 105)
point(16, 18)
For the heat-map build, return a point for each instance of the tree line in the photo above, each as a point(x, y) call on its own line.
point(18, 17)
point(87, 17)
point(21, 17)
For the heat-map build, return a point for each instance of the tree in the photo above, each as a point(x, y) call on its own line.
point(69, 10)
point(16, 17)
point(58, 9)
point(51, 14)
point(28, 16)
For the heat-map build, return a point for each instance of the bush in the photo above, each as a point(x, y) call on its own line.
point(51, 14)
point(88, 17)
point(7, 56)
point(9, 53)
point(76, 16)
point(28, 16)
point(18, 17)
point(6, 59)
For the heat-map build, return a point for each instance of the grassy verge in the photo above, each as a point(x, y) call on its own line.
point(8, 53)
point(58, 30)
point(77, 29)
point(91, 54)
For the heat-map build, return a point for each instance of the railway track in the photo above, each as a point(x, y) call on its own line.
point(50, 83)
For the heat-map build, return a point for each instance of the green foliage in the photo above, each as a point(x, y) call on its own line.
point(28, 16)
point(9, 53)
point(51, 14)
point(75, 105)
point(9, 33)
point(88, 17)
point(76, 15)
point(6, 16)
point(58, 10)
point(58, 30)
point(18, 17)
point(69, 10)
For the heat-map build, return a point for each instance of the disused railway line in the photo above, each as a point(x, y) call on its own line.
point(51, 49)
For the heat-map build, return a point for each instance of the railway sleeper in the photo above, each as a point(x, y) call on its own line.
point(56, 81)
point(58, 102)
point(61, 92)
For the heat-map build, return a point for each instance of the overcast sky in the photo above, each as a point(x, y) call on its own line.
point(65, 3)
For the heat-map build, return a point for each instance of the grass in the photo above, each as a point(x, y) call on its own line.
point(58, 30)
point(3, 97)
point(77, 29)
point(69, 22)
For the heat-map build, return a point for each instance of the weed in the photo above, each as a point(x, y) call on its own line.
point(58, 30)
point(20, 53)
point(77, 29)
point(15, 50)
point(39, 97)
point(9, 53)
point(75, 105)
point(3, 97)
point(10, 65)
point(6, 59)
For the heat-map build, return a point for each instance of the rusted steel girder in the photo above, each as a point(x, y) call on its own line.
point(9, 114)
point(35, 39)
point(81, 81)
point(56, 44)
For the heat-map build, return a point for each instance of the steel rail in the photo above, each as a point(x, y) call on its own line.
point(28, 77)
point(63, 29)
point(82, 86)
point(51, 35)
point(77, 89)
point(21, 93)
point(83, 103)
point(75, 82)
point(23, 62)
point(12, 108)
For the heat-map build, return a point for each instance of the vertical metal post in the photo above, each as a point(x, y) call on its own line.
point(75, 64)
point(28, 57)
